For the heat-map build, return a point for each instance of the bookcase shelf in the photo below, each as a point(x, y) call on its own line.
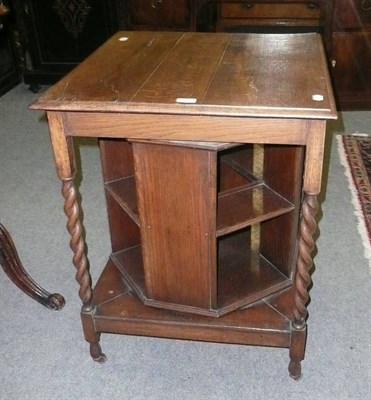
point(240, 268)
point(242, 279)
point(248, 206)
point(124, 192)
point(237, 209)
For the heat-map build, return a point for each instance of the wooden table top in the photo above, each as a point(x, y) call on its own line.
point(225, 74)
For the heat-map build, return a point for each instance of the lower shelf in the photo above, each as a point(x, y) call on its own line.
point(243, 279)
point(118, 310)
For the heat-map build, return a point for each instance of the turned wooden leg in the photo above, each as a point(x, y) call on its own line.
point(297, 351)
point(92, 337)
point(14, 269)
point(96, 351)
point(308, 226)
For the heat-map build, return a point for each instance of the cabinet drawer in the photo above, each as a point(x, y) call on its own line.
point(253, 10)
point(159, 14)
point(352, 14)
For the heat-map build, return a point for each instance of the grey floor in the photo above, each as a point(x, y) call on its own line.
point(44, 355)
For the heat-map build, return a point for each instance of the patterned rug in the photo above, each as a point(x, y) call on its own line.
point(355, 154)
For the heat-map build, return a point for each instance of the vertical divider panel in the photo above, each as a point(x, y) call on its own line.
point(283, 170)
point(176, 189)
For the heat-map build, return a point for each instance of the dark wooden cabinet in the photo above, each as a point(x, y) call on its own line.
point(58, 34)
point(9, 63)
point(352, 14)
point(351, 53)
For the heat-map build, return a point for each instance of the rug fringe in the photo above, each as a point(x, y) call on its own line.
point(355, 200)
point(359, 134)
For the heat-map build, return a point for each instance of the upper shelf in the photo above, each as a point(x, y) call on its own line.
point(225, 74)
point(237, 208)
point(248, 206)
point(124, 192)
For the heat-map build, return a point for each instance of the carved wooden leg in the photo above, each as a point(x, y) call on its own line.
point(14, 269)
point(308, 226)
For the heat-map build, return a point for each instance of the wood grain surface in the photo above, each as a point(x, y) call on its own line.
point(200, 73)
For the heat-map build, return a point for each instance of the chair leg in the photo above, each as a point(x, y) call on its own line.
point(13, 268)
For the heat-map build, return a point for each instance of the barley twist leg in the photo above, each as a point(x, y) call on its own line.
point(308, 227)
point(77, 244)
point(80, 261)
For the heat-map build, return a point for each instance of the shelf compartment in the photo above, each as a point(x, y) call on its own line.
point(235, 168)
point(243, 277)
point(130, 264)
point(124, 191)
point(238, 207)
point(231, 179)
point(247, 206)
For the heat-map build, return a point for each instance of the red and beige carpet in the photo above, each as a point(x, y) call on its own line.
point(355, 155)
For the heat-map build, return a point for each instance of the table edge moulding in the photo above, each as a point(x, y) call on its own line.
point(235, 125)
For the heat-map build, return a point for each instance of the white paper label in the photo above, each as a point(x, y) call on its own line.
point(186, 100)
point(317, 97)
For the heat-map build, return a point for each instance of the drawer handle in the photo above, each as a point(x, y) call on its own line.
point(366, 5)
point(247, 6)
point(156, 3)
point(312, 6)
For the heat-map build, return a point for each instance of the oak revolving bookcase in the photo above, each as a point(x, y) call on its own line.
point(211, 149)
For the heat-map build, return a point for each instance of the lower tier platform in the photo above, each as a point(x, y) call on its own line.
point(119, 310)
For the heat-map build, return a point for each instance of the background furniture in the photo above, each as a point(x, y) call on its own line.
point(351, 53)
point(57, 35)
point(282, 15)
point(201, 227)
point(10, 74)
point(13, 267)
